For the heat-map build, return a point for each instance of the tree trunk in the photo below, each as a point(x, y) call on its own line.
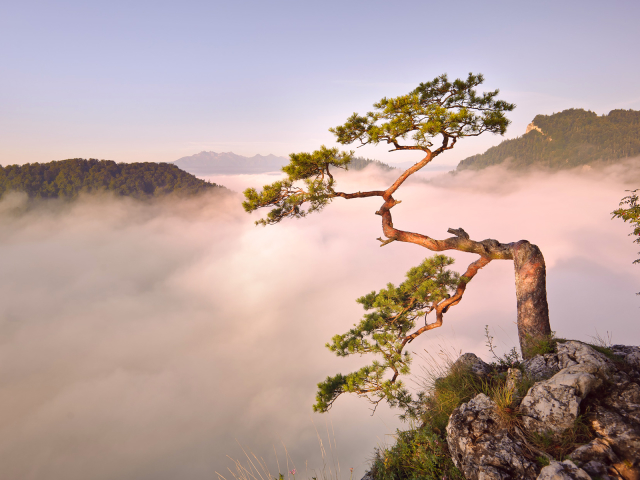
point(531, 294)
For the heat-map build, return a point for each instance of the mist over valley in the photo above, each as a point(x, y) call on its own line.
point(140, 340)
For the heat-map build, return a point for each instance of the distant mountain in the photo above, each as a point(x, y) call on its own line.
point(567, 139)
point(212, 163)
point(68, 178)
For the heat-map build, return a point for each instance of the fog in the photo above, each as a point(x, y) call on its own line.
point(150, 341)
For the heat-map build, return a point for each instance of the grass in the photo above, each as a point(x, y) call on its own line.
point(559, 445)
point(254, 468)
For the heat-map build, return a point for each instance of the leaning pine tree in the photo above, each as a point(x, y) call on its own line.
point(439, 112)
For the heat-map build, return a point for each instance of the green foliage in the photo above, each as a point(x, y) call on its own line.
point(439, 107)
point(68, 178)
point(285, 199)
point(393, 314)
point(629, 211)
point(446, 393)
point(570, 138)
point(540, 345)
point(418, 454)
point(509, 359)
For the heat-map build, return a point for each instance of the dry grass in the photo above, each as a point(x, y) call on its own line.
point(253, 468)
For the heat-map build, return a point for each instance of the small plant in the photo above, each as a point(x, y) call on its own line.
point(541, 345)
point(418, 454)
point(543, 461)
point(510, 359)
point(506, 402)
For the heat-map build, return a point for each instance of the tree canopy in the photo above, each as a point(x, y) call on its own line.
point(68, 178)
point(431, 119)
point(629, 211)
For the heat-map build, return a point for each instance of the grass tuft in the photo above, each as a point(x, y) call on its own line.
point(419, 453)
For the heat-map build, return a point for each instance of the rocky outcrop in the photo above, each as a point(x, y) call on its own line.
point(576, 382)
point(481, 447)
point(554, 404)
point(531, 127)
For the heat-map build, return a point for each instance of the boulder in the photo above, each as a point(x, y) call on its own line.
point(563, 471)
point(481, 447)
point(542, 366)
point(473, 362)
point(554, 404)
point(596, 458)
point(630, 354)
point(573, 352)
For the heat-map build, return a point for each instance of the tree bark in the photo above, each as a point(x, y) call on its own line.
point(531, 295)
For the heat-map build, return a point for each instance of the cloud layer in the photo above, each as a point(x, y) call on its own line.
point(140, 341)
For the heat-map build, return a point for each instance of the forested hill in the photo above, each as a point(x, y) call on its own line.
point(567, 139)
point(360, 163)
point(68, 178)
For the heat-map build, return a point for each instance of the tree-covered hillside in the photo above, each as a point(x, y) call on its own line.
point(68, 178)
point(567, 139)
point(360, 163)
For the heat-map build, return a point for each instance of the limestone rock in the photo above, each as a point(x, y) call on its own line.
point(473, 362)
point(563, 471)
point(542, 366)
point(630, 354)
point(554, 404)
point(514, 377)
point(550, 407)
point(481, 447)
point(574, 352)
point(621, 435)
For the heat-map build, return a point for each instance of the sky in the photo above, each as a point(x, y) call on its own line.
point(155, 81)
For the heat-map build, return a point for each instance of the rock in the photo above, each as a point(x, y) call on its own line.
point(481, 447)
point(631, 355)
point(549, 407)
point(472, 362)
point(542, 366)
point(554, 404)
point(624, 398)
point(514, 377)
point(596, 450)
point(621, 435)
point(573, 352)
point(576, 380)
point(563, 471)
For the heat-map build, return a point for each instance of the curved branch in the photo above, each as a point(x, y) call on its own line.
point(443, 306)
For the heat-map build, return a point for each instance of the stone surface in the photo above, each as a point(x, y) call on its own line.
point(481, 447)
point(566, 470)
point(473, 362)
point(630, 354)
point(542, 366)
point(577, 380)
point(514, 377)
point(597, 450)
point(554, 404)
point(573, 352)
point(621, 435)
